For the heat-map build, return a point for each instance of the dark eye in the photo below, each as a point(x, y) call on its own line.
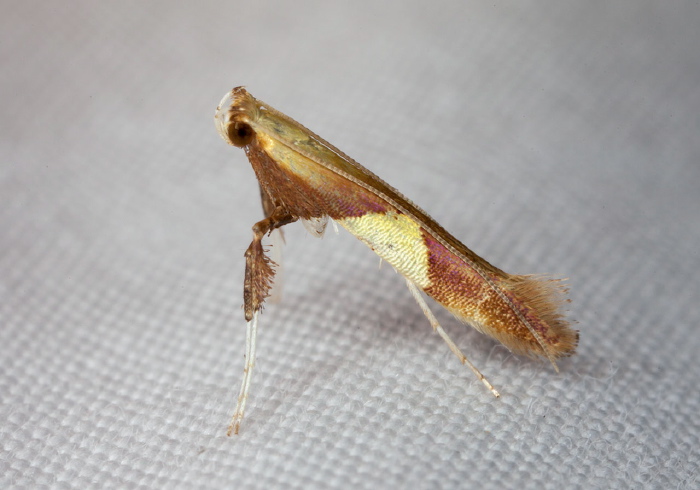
point(240, 134)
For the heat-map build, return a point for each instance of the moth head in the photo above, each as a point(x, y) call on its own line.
point(233, 115)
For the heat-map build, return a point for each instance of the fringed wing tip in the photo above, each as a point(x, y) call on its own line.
point(545, 298)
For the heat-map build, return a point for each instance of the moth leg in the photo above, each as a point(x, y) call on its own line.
point(258, 266)
point(453, 347)
point(258, 278)
point(276, 243)
point(277, 240)
point(268, 204)
point(251, 333)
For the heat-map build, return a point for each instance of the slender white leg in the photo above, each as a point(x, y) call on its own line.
point(251, 333)
point(453, 347)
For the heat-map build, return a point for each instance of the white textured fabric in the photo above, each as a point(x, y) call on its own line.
point(557, 137)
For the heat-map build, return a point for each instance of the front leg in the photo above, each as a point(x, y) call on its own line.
point(258, 267)
point(258, 279)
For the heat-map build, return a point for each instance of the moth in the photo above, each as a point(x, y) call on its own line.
point(303, 177)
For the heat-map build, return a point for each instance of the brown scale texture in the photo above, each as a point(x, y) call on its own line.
point(502, 305)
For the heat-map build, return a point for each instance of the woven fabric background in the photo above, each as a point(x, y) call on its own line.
point(550, 137)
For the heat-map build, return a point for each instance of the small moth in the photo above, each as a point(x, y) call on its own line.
point(303, 177)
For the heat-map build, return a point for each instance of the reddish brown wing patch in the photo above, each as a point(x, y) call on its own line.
point(312, 191)
point(477, 298)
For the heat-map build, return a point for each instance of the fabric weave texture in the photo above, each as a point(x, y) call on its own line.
point(549, 138)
